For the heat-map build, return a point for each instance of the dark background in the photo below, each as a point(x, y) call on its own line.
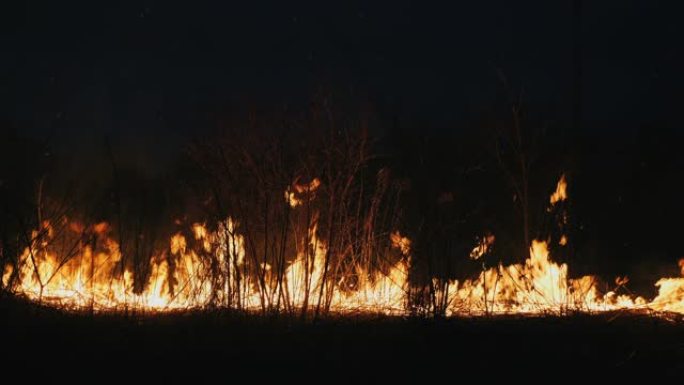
point(145, 78)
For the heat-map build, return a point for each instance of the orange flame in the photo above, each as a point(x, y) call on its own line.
point(212, 269)
point(561, 191)
point(482, 246)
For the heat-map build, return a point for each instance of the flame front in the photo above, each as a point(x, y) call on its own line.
point(211, 268)
point(95, 278)
point(538, 285)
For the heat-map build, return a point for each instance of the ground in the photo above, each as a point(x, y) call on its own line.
point(225, 347)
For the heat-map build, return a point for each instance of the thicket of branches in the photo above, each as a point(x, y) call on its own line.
point(436, 189)
point(342, 191)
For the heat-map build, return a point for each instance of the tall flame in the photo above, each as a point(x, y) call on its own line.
point(670, 293)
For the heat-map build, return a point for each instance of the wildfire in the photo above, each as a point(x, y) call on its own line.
point(536, 286)
point(94, 277)
point(210, 267)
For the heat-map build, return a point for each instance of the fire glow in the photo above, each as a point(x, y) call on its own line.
point(210, 268)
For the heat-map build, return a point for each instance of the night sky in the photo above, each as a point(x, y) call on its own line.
point(147, 74)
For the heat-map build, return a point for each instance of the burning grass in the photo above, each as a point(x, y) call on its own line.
point(90, 280)
point(211, 270)
point(316, 232)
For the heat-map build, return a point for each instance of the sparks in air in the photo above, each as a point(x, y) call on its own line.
point(210, 267)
